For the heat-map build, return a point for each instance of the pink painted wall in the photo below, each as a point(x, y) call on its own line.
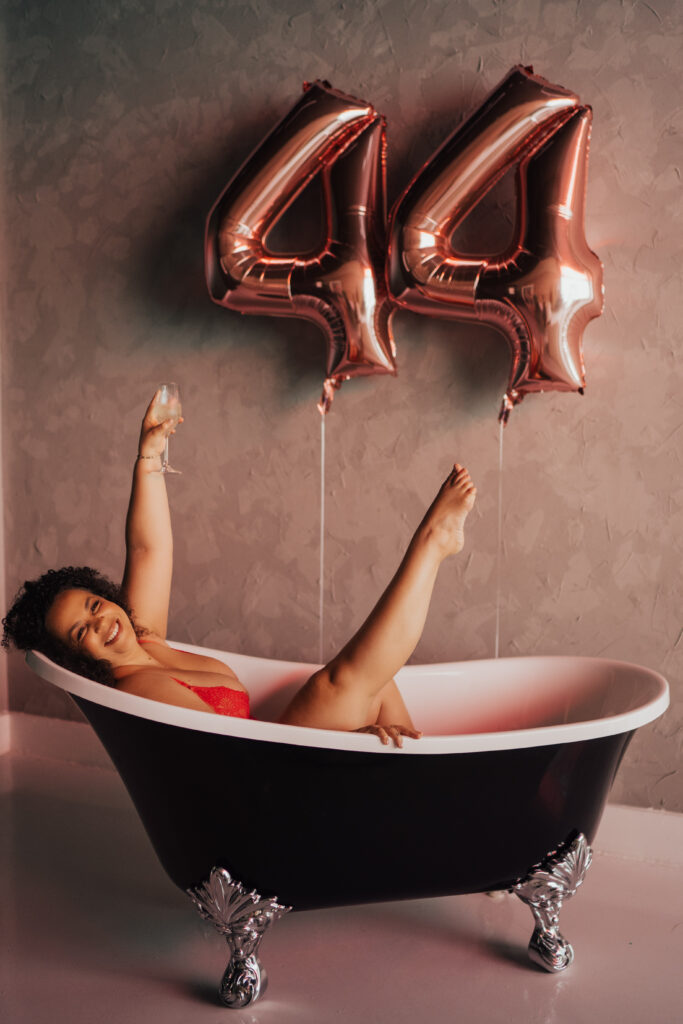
point(122, 122)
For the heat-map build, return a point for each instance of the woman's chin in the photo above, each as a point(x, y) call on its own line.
point(104, 654)
point(113, 656)
point(120, 652)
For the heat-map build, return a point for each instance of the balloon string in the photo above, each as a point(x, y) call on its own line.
point(501, 428)
point(322, 539)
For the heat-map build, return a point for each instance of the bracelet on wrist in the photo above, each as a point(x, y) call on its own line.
point(157, 455)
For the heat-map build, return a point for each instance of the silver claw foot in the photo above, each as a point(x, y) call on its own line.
point(243, 918)
point(544, 889)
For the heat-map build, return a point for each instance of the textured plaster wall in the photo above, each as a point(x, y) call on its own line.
point(123, 120)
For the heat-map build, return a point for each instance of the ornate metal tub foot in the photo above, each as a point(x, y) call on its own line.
point(544, 889)
point(243, 918)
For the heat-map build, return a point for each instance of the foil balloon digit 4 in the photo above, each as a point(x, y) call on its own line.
point(341, 287)
point(540, 293)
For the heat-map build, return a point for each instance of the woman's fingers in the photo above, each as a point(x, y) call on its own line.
point(395, 732)
point(147, 418)
point(150, 420)
point(155, 428)
point(166, 426)
point(154, 432)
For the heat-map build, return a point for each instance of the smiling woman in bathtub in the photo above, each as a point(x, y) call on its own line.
point(116, 635)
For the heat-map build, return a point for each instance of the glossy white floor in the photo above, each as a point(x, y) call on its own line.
point(93, 932)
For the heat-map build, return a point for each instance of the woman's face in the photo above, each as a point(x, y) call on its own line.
point(91, 625)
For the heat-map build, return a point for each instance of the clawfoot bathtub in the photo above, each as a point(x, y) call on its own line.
point(505, 791)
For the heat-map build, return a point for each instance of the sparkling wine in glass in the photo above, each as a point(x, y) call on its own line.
point(167, 407)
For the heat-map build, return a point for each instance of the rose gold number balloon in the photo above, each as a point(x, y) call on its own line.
point(544, 290)
point(342, 287)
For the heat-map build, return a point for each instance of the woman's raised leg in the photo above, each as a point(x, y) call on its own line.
point(343, 694)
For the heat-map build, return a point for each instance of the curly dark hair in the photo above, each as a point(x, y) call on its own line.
point(24, 625)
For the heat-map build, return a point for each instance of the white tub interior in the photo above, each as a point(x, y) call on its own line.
point(495, 704)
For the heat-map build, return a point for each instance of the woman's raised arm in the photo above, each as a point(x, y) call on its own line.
point(149, 540)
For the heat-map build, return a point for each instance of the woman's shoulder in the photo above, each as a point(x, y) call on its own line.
point(182, 661)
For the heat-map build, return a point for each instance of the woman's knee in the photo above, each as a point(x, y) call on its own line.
point(341, 675)
point(326, 701)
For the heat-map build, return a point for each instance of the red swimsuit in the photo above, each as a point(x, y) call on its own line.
point(223, 699)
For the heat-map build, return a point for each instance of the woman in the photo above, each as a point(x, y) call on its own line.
point(116, 635)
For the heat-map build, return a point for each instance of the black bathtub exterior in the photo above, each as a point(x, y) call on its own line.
point(318, 827)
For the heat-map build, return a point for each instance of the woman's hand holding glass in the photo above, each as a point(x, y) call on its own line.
point(161, 418)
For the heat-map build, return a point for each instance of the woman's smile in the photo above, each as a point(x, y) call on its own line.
point(113, 633)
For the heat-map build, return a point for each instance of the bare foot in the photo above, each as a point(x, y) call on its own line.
point(444, 522)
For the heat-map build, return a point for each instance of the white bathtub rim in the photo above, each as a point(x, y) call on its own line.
point(274, 732)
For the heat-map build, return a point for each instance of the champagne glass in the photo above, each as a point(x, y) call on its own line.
point(167, 407)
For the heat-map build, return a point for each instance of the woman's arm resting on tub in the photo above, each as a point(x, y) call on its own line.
point(149, 540)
